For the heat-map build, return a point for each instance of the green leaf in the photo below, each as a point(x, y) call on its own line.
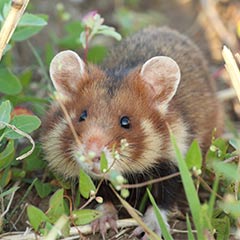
point(194, 156)
point(60, 229)
point(232, 207)
point(213, 196)
point(96, 54)
point(29, 19)
point(24, 33)
point(36, 217)
point(46, 229)
point(3, 2)
point(6, 8)
point(217, 150)
point(43, 189)
point(26, 123)
point(25, 77)
point(85, 216)
point(189, 189)
point(222, 226)
point(109, 31)
point(162, 224)
point(18, 174)
point(9, 191)
point(34, 161)
point(56, 206)
point(5, 177)
point(71, 39)
point(235, 143)
point(103, 163)
point(9, 83)
point(7, 155)
point(228, 170)
point(7, 48)
point(86, 184)
point(5, 113)
point(189, 229)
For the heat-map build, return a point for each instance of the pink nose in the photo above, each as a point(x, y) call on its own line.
point(95, 144)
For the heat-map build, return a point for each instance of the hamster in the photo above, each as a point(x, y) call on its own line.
point(151, 80)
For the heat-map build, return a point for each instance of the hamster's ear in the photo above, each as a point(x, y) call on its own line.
point(66, 70)
point(162, 75)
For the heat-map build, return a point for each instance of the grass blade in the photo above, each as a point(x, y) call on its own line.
point(189, 189)
point(213, 197)
point(165, 232)
point(189, 228)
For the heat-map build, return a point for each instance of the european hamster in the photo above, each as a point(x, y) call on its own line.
point(151, 80)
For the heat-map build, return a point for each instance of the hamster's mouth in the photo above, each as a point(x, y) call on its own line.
point(90, 162)
point(91, 168)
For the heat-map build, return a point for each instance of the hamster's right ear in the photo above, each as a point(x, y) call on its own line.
point(66, 70)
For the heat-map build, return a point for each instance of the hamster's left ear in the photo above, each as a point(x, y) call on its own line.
point(162, 75)
point(66, 71)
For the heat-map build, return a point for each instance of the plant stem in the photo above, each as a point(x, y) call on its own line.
point(17, 9)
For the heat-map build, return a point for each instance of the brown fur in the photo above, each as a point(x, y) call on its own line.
point(116, 90)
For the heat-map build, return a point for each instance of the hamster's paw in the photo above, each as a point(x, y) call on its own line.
point(109, 215)
point(150, 220)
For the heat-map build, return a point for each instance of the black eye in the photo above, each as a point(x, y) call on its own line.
point(125, 122)
point(83, 116)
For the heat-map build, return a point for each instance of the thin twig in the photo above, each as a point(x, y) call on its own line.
point(147, 183)
point(10, 201)
point(202, 181)
point(17, 9)
point(21, 214)
point(22, 199)
point(20, 132)
point(182, 231)
point(86, 230)
point(68, 119)
point(231, 159)
point(133, 214)
point(57, 228)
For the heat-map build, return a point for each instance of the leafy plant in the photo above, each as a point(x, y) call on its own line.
point(16, 122)
point(220, 176)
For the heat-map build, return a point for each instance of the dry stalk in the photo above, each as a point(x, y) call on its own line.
point(20, 132)
point(237, 55)
point(234, 73)
point(68, 118)
point(17, 9)
point(209, 8)
point(86, 230)
point(232, 69)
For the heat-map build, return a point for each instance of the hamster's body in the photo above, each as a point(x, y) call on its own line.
point(136, 95)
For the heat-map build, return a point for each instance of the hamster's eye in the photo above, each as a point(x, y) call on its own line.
point(125, 122)
point(83, 116)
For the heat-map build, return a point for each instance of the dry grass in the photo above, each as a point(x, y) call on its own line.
point(17, 9)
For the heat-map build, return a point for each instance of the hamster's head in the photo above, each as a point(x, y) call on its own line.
point(123, 118)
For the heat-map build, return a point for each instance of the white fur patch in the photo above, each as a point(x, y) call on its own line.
point(55, 154)
point(151, 220)
point(179, 130)
point(152, 143)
